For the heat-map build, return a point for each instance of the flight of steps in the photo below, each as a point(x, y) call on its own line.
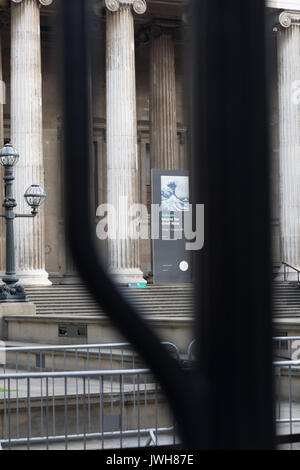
point(286, 299)
point(76, 300)
point(174, 300)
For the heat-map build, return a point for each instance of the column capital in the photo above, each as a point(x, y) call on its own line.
point(42, 2)
point(157, 28)
point(139, 6)
point(288, 18)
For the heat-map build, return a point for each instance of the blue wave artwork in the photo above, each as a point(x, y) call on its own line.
point(175, 193)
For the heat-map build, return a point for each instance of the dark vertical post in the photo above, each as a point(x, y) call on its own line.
point(9, 204)
point(226, 401)
point(231, 164)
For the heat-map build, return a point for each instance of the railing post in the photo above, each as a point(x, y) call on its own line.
point(284, 272)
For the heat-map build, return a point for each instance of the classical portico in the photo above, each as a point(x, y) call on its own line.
point(137, 125)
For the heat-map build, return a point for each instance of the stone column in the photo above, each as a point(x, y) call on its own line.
point(163, 122)
point(122, 158)
point(26, 135)
point(289, 136)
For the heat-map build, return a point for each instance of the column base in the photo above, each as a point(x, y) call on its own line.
point(66, 279)
point(34, 278)
point(127, 276)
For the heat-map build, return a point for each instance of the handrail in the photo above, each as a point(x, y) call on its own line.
point(72, 374)
point(72, 347)
point(285, 265)
point(76, 437)
point(286, 338)
point(286, 363)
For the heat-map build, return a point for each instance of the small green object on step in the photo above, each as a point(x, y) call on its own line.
point(138, 285)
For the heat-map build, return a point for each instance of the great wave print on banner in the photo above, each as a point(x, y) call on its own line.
point(175, 193)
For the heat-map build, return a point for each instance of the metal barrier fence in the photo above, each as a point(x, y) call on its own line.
point(53, 358)
point(51, 398)
point(286, 368)
point(81, 409)
point(286, 386)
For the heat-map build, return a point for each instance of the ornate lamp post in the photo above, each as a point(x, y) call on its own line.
point(34, 196)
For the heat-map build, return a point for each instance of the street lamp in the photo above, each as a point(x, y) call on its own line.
point(34, 196)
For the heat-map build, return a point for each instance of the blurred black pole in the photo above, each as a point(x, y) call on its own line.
point(184, 391)
point(231, 164)
point(226, 401)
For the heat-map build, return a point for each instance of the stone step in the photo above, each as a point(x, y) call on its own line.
point(77, 300)
point(91, 300)
point(96, 312)
point(286, 304)
point(290, 298)
point(87, 308)
point(82, 287)
point(286, 299)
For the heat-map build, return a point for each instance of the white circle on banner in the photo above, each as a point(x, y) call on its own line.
point(184, 266)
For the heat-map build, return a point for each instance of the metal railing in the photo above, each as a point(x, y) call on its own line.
point(51, 397)
point(96, 408)
point(286, 371)
point(286, 347)
point(53, 358)
point(121, 407)
point(287, 391)
point(287, 400)
point(191, 351)
point(293, 268)
point(286, 383)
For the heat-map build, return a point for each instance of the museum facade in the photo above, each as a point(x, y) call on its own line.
point(136, 47)
point(139, 123)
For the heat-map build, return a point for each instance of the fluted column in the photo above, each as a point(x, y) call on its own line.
point(122, 158)
point(163, 122)
point(26, 134)
point(289, 136)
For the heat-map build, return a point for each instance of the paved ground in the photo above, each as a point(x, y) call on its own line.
point(164, 439)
